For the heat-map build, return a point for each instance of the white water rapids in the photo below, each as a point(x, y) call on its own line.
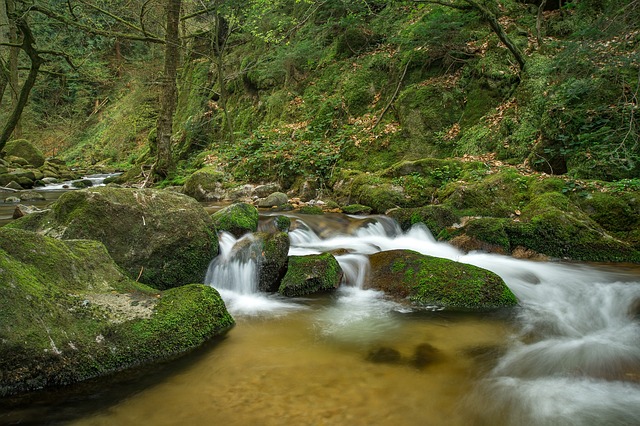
point(575, 359)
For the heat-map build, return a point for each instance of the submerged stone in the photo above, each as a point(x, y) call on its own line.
point(69, 314)
point(161, 238)
point(432, 281)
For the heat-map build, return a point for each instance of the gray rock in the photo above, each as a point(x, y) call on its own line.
point(274, 200)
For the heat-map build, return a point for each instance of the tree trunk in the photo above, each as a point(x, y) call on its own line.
point(4, 38)
point(219, 43)
point(36, 61)
point(168, 95)
point(539, 19)
point(14, 83)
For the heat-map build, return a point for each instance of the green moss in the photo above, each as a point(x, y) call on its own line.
point(314, 210)
point(356, 209)
point(427, 280)
point(273, 260)
point(24, 149)
point(238, 219)
point(311, 274)
point(614, 212)
point(204, 184)
point(491, 231)
point(436, 217)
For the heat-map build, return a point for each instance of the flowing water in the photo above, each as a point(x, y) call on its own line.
point(568, 355)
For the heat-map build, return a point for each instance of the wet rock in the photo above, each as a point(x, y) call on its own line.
point(283, 223)
point(49, 180)
point(23, 210)
point(273, 260)
point(69, 314)
point(436, 217)
point(24, 149)
point(314, 210)
point(162, 238)
point(356, 209)
point(384, 355)
point(84, 183)
point(237, 219)
point(31, 196)
point(432, 281)
point(311, 274)
point(14, 185)
point(12, 200)
point(274, 200)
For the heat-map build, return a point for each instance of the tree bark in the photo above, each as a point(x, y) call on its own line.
point(168, 95)
point(539, 19)
point(36, 61)
point(14, 83)
point(4, 38)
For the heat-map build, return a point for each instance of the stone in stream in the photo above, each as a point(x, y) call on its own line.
point(237, 219)
point(274, 250)
point(69, 314)
point(432, 281)
point(311, 274)
point(275, 199)
point(161, 238)
point(23, 210)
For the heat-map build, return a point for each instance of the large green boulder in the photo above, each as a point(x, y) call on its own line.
point(69, 314)
point(432, 281)
point(161, 238)
point(311, 274)
point(24, 149)
point(435, 217)
point(237, 219)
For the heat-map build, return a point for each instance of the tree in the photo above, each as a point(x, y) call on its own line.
point(169, 93)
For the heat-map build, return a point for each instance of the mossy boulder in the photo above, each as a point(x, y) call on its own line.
point(22, 148)
point(162, 238)
point(275, 199)
point(380, 194)
point(311, 274)
point(237, 219)
point(614, 212)
point(498, 195)
point(273, 261)
point(313, 210)
point(552, 225)
point(431, 281)
point(69, 314)
point(205, 185)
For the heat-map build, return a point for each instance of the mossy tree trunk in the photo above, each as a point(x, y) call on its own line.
point(27, 45)
point(4, 38)
point(169, 94)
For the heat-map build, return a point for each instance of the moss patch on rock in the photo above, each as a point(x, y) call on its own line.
point(237, 219)
point(162, 238)
point(70, 314)
point(311, 274)
point(432, 281)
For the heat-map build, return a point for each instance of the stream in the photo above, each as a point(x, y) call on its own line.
point(568, 355)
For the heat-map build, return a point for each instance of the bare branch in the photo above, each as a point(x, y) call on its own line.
point(93, 30)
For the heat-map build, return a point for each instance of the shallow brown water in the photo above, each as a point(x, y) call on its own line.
point(273, 371)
